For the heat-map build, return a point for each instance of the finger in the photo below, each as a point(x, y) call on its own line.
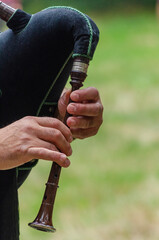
point(45, 154)
point(54, 136)
point(83, 133)
point(63, 102)
point(86, 109)
point(87, 94)
point(44, 144)
point(55, 124)
point(81, 122)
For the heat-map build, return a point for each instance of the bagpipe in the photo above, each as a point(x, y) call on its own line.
point(37, 54)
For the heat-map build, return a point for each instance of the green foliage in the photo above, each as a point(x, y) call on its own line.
point(87, 4)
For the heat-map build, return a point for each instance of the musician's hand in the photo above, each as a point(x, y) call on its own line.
point(87, 111)
point(34, 137)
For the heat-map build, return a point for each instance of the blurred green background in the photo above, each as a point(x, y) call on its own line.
point(111, 189)
point(89, 5)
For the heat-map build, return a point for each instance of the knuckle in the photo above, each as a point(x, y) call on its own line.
point(94, 132)
point(56, 123)
point(22, 149)
point(49, 120)
point(57, 134)
point(28, 124)
point(102, 108)
point(68, 131)
point(52, 147)
point(28, 127)
point(40, 152)
point(91, 133)
point(68, 135)
point(28, 118)
point(98, 108)
point(101, 121)
point(25, 139)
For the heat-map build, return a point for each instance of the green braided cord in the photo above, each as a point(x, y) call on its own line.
point(81, 55)
point(24, 169)
point(47, 94)
point(50, 103)
point(88, 23)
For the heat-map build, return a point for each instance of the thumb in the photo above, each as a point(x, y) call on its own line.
point(63, 102)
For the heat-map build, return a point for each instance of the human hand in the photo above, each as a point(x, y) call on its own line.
point(34, 137)
point(87, 111)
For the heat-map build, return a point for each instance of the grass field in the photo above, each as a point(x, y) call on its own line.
point(111, 190)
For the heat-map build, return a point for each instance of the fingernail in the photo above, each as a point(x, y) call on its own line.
point(63, 157)
point(73, 122)
point(70, 139)
point(70, 152)
point(75, 96)
point(72, 108)
point(67, 162)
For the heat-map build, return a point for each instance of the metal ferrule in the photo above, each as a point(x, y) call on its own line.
point(79, 67)
point(5, 6)
point(6, 11)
